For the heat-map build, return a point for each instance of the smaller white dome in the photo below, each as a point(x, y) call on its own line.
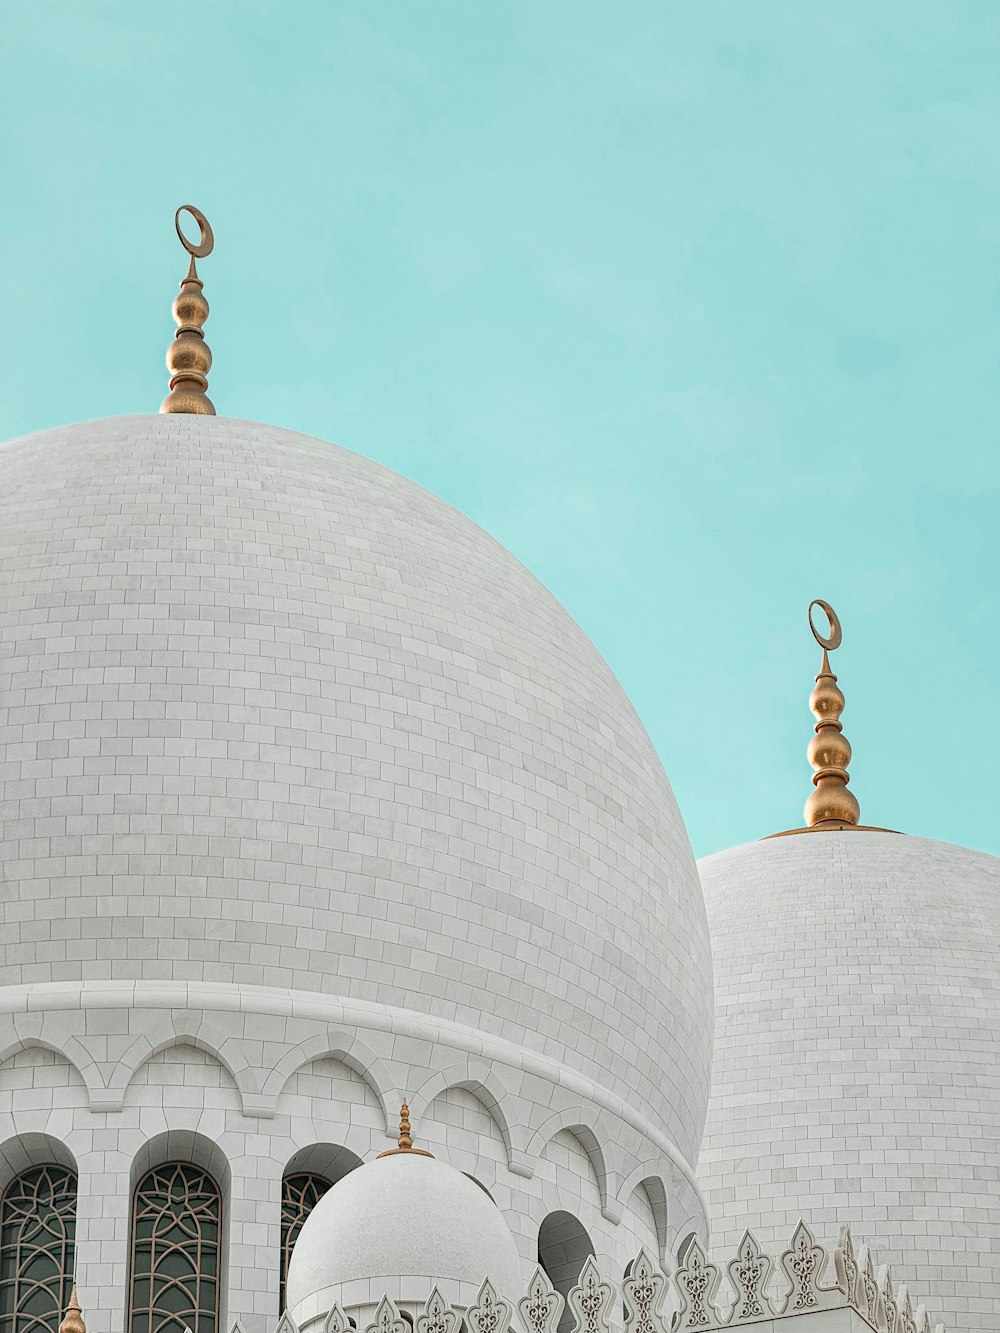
point(397, 1227)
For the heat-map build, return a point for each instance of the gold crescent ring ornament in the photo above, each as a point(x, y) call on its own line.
point(836, 636)
point(206, 244)
point(188, 358)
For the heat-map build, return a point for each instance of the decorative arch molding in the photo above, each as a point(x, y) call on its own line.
point(183, 1145)
point(350, 1050)
point(577, 1120)
point(655, 1178)
point(181, 1031)
point(480, 1079)
point(688, 1211)
point(23, 1151)
point(68, 1048)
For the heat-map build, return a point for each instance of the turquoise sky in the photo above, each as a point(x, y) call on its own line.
point(696, 307)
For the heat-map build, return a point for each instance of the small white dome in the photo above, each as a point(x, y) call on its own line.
point(399, 1226)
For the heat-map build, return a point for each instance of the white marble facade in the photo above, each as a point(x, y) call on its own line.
point(313, 797)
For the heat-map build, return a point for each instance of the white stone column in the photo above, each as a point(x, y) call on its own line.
point(254, 1239)
point(102, 1239)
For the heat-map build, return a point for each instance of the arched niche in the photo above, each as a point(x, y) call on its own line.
point(563, 1248)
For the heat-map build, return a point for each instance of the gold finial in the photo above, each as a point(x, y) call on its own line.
point(73, 1321)
point(830, 804)
point(188, 357)
point(405, 1142)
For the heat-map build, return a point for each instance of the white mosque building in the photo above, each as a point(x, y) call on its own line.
point(314, 802)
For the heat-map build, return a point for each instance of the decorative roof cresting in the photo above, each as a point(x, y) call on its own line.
point(188, 357)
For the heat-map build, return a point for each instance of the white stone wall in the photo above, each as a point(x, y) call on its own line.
point(271, 715)
point(857, 1067)
point(115, 1076)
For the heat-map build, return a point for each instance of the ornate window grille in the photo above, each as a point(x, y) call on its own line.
point(176, 1230)
point(37, 1229)
point(300, 1192)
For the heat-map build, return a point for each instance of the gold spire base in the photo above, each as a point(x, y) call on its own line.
point(830, 826)
point(188, 397)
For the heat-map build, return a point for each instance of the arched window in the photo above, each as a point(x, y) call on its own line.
point(300, 1192)
point(37, 1228)
point(176, 1229)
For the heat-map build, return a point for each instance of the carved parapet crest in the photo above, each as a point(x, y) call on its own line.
point(388, 1319)
point(697, 1282)
point(907, 1319)
point(644, 1291)
point(803, 1264)
point(869, 1297)
point(847, 1268)
point(337, 1321)
point(749, 1273)
point(542, 1308)
point(812, 1278)
point(437, 1315)
point(490, 1313)
point(591, 1300)
point(890, 1305)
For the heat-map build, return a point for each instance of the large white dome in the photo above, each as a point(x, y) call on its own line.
point(273, 715)
point(396, 1227)
point(857, 1065)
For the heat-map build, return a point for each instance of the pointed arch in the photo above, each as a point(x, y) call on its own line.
point(211, 1041)
point(653, 1177)
point(350, 1050)
point(479, 1078)
point(577, 1121)
point(71, 1051)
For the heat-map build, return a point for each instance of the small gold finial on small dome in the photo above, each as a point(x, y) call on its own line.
point(73, 1320)
point(188, 357)
point(405, 1141)
point(830, 804)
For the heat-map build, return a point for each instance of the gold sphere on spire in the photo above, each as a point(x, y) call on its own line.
point(188, 357)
